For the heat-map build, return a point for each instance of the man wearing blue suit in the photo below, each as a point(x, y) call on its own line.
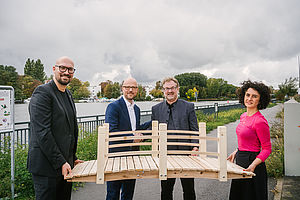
point(123, 115)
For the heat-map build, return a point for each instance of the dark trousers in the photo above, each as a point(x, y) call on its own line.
point(51, 188)
point(255, 188)
point(125, 186)
point(187, 184)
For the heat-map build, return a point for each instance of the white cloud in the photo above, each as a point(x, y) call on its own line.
point(155, 38)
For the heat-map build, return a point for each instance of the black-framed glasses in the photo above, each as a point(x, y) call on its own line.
point(130, 87)
point(171, 88)
point(62, 68)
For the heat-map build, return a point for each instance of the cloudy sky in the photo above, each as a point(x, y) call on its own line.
point(149, 40)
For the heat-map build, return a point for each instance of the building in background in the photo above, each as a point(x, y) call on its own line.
point(94, 90)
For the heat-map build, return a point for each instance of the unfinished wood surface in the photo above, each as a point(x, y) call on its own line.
point(202, 142)
point(101, 157)
point(177, 166)
point(222, 150)
point(158, 162)
point(163, 151)
point(155, 138)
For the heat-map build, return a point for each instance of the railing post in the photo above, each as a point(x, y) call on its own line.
point(101, 154)
point(163, 151)
point(202, 142)
point(155, 139)
point(222, 150)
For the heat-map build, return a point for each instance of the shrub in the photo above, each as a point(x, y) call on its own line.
point(274, 163)
point(23, 181)
point(87, 147)
point(224, 117)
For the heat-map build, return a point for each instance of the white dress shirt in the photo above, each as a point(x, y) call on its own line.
point(130, 108)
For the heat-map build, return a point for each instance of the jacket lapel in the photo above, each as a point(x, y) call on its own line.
point(125, 111)
point(137, 117)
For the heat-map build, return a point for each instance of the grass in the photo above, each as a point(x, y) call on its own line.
point(223, 118)
point(274, 163)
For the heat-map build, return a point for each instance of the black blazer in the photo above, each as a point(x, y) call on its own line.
point(118, 118)
point(50, 132)
point(184, 118)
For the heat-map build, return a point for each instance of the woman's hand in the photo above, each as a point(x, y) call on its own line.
point(253, 165)
point(231, 157)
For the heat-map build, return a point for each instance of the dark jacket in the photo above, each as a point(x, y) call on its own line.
point(118, 118)
point(184, 118)
point(50, 136)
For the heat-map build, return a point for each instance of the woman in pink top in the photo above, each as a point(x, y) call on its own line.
point(254, 145)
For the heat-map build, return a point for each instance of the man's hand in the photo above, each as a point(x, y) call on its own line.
point(195, 149)
point(138, 140)
point(78, 161)
point(66, 170)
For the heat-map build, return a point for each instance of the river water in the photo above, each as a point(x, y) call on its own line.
point(85, 109)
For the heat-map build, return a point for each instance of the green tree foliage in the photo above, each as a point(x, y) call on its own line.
point(8, 76)
point(27, 84)
point(78, 89)
point(23, 85)
point(158, 85)
point(189, 81)
point(157, 93)
point(141, 93)
point(215, 87)
point(288, 87)
point(193, 78)
point(35, 69)
point(112, 90)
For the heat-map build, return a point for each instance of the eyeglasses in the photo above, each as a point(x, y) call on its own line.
point(171, 88)
point(130, 87)
point(62, 68)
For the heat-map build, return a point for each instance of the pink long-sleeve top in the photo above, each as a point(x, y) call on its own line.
point(253, 134)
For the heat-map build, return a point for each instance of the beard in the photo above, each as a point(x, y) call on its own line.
point(63, 82)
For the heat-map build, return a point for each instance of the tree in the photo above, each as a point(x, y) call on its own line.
point(193, 78)
point(288, 87)
point(189, 81)
point(81, 93)
point(112, 90)
point(35, 69)
point(215, 87)
point(158, 85)
point(74, 85)
point(141, 94)
point(79, 89)
point(27, 85)
point(9, 76)
point(156, 93)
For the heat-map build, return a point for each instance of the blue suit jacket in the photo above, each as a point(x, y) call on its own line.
point(118, 118)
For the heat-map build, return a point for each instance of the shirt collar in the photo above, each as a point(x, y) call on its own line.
point(128, 104)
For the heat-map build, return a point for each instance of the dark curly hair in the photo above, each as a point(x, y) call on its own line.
point(262, 89)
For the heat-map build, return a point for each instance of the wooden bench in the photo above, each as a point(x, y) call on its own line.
point(158, 162)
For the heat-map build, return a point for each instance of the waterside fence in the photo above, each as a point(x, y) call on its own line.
point(88, 124)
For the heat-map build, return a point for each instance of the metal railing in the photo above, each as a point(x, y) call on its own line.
point(88, 124)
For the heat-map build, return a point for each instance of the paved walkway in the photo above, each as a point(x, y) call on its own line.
point(206, 189)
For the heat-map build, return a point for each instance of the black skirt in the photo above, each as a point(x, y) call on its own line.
point(255, 188)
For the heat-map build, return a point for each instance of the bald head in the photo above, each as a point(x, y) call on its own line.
point(64, 59)
point(130, 81)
